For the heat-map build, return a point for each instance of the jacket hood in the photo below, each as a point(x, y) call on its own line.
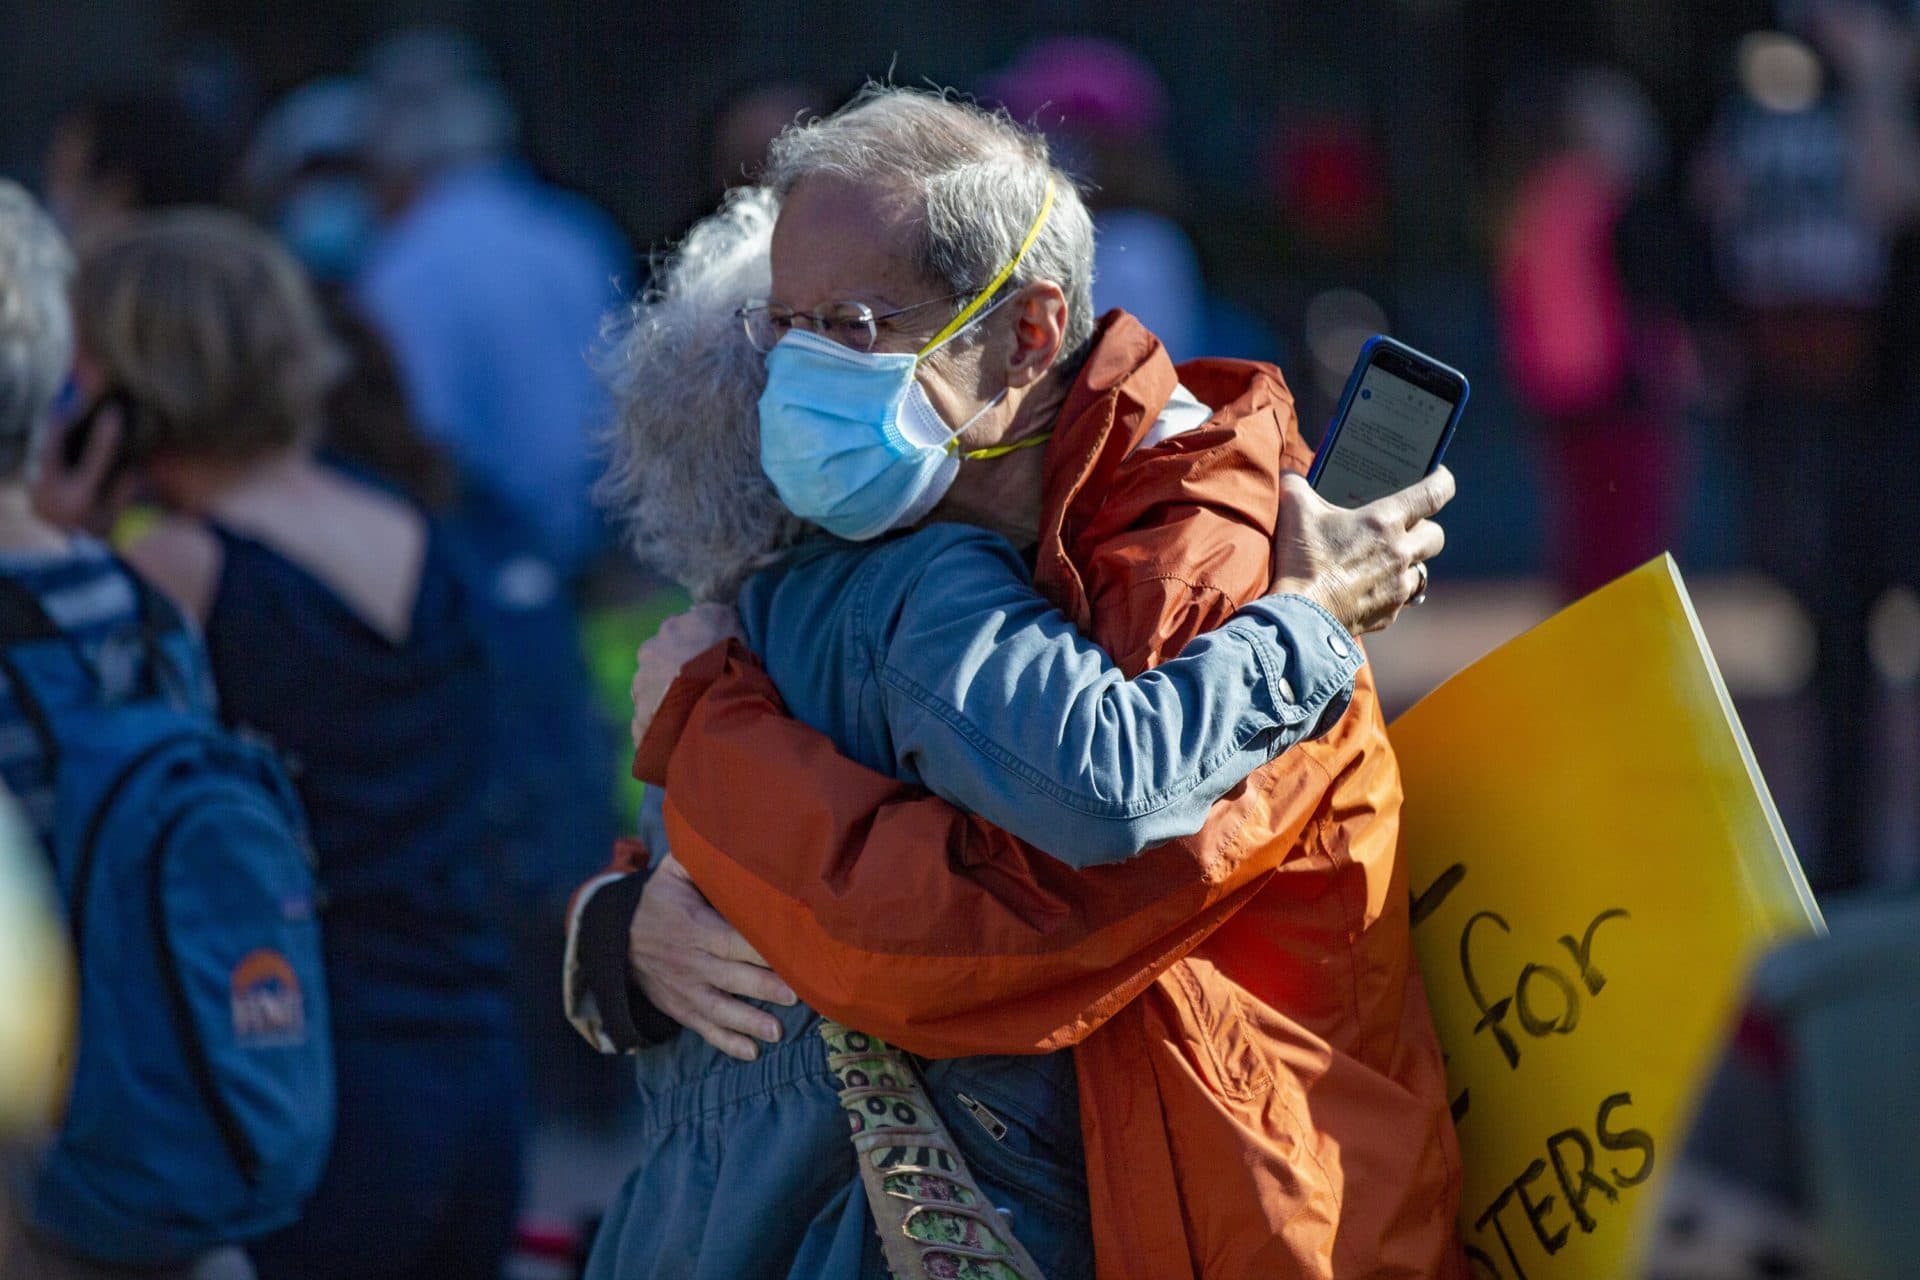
point(1121, 390)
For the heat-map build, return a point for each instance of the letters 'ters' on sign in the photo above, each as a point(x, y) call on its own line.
point(1594, 863)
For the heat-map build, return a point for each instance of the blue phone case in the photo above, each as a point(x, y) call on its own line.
point(1378, 340)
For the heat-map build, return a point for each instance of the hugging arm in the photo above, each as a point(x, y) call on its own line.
point(898, 913)
point(999, 705)
point(895, 911)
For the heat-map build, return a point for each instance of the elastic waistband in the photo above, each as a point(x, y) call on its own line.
point(681, 1082)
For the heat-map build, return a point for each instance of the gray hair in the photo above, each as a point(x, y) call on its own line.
point(979, 179)
point(36, 324)
point(683, 474)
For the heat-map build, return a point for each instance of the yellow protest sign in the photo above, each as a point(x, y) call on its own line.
point(1595, 862)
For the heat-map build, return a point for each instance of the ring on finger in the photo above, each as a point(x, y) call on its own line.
point(1419, 595)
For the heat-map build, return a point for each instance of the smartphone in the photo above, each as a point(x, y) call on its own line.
point(1395, 420)
point(136, 433)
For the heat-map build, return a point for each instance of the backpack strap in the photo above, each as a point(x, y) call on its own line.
point(932, 1216)
point(24, 620)
point(162, 626)
point(159, 616)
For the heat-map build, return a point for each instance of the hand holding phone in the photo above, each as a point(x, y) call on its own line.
point(82, 474)
point(1363, 566)
point(1394, 422)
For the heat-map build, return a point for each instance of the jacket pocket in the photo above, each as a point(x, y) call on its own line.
point(1032, 1169)
point(1018, 1128)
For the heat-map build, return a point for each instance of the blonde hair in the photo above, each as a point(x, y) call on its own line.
point(210, 327)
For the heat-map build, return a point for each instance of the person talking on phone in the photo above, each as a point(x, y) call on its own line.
point(1196, 982)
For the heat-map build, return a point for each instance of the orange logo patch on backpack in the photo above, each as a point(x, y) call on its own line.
point(266, 1002)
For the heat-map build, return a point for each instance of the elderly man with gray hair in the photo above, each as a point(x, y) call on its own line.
point(1258, 1086)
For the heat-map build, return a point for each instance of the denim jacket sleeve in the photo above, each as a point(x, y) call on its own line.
point(997, 704)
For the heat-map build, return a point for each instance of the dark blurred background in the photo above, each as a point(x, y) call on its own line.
point(1355, 147)
point(1671, 245)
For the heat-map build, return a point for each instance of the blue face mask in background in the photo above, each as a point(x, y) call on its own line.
point(329, 224)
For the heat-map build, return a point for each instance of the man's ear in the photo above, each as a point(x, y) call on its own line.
point(1039, 328)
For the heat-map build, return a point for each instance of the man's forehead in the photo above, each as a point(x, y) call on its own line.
point(837, 238)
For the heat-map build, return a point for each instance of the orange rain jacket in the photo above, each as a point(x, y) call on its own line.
point(1261, 1090)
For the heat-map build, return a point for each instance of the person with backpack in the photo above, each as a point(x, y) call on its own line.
point(340, 627)
point(201, 1100)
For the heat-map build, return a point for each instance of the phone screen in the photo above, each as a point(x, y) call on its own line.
point(1386, 442)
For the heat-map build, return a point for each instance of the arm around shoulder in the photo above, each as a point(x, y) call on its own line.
point(1000, 705)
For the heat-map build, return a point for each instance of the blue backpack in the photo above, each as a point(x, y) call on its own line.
point(201, 1107)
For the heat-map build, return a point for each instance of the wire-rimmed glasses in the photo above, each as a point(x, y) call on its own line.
point(851, 324)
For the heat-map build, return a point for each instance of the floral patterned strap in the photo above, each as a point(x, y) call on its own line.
point(934, 1222)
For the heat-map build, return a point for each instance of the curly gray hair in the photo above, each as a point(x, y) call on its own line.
point(683, 474)
point(36, 324)
point(978, 179)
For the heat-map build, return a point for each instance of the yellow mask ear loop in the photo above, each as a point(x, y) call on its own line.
point(967, 313)
point(1000, 450)
point(980, 300)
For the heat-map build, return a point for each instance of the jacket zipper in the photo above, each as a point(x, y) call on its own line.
point(238, 1144)
point(996, 1127)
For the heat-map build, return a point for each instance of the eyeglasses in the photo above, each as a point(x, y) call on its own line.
point(851, 324)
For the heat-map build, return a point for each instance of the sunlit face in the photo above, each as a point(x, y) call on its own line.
point(839, 241)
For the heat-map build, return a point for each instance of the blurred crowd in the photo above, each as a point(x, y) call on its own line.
point(1763, 283)
point(330, 386)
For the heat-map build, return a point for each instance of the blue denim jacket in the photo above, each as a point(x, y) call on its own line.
point(930, 656)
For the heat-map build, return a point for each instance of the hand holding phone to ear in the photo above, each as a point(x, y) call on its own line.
point(85, 490)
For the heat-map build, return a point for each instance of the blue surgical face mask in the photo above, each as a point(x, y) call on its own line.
point(329, 223)
point(849, 438)
point(851, 441)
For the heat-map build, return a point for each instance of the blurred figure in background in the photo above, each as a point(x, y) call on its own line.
point(1802, 1160)
point(339, 626)
point(1808, 178)
point(116, 153)
point(1104, 110)
point(1592, 335)
point(490, 287)
point(95, 604)
point(306, 178)
point(549, 797)
point(104, 678)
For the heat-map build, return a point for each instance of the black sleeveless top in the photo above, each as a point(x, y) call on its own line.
point(388, 745)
